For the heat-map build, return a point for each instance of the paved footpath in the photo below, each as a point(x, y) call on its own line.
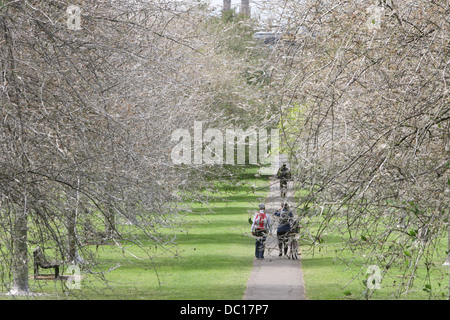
point(275, 278)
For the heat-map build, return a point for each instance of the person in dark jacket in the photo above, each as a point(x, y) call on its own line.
point(284, 175)
point(284, 227)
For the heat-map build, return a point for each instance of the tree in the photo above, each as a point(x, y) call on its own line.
point(226, 5)
point(86, 119)
point(371, 136)
point(245, 7)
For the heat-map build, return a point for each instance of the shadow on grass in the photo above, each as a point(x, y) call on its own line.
point(223, 238)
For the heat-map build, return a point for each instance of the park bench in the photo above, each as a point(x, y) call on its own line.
point(40, 262)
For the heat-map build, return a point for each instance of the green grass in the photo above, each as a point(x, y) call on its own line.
point(332, 272)
point(212, 254)
point(211, 257)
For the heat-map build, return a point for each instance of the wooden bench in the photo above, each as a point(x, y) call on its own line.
point(40, 262)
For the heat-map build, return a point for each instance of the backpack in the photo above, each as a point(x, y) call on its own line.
point(261, 221)
point(285, 216)
point(295, 226)
point(284, 174)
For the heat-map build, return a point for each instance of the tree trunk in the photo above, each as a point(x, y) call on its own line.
point(19, 229)
point(72, 228)
point(245, 7)
point(72, 236)
point(110, 222)
point(447, 262)
point(226, 5)
point(20, 253)
point(110, 218)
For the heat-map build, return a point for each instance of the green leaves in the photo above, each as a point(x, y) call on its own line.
point(413, 233)
point(427, 288)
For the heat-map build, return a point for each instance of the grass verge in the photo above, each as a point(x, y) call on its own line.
point(210, 259)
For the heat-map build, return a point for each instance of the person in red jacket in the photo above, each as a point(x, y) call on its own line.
point(260, 229)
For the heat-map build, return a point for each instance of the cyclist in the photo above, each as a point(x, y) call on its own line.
point(284, 227)
point(284, 175)
point(260, 228)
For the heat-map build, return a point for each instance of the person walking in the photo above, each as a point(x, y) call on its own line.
point(284, 174)
point(284, 226)
point(260, 229)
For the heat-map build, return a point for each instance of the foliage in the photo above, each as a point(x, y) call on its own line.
point(210, 257)
point(86, 118)
point(372, 143)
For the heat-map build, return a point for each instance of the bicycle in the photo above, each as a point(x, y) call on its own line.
point(283, 188)
point(293, 246)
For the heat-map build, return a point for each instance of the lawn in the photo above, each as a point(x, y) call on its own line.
point(333, 272)
point(211, 258)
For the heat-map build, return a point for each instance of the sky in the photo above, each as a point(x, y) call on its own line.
point(237, 3)
point(259, 9)
point(256, 6)
point(220, 3)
